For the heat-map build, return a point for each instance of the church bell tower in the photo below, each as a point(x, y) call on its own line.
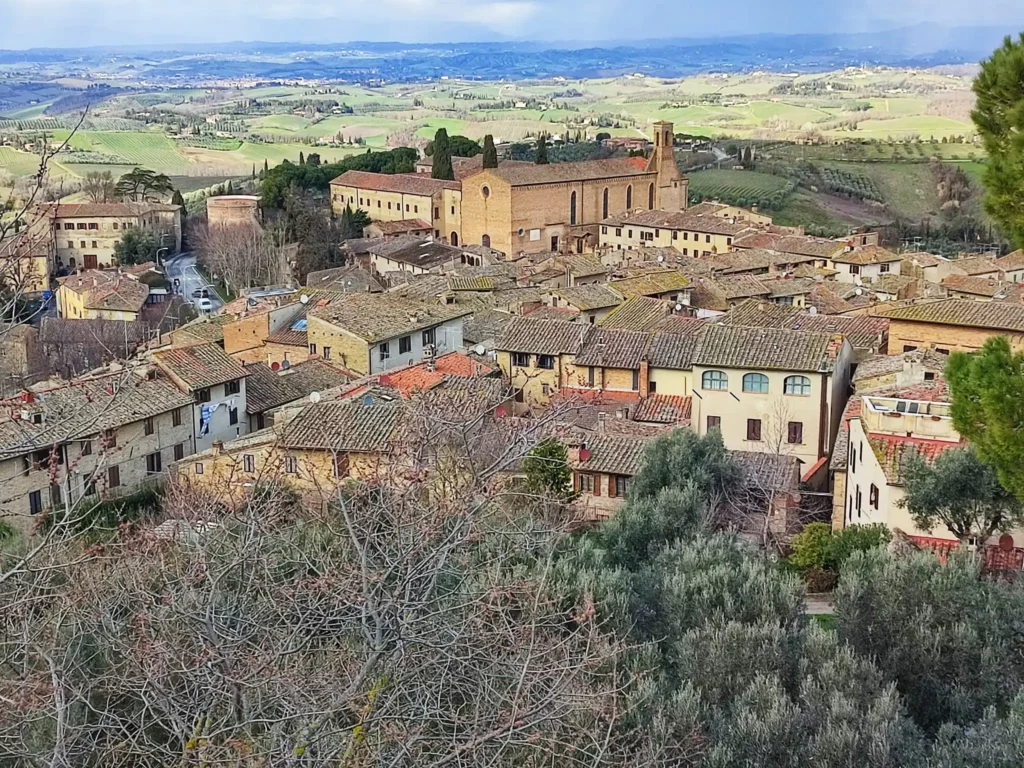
point(672, 186)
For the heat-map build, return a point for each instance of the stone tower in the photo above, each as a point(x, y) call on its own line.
point(672, 192)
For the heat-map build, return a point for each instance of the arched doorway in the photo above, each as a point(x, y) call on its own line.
point(454, 238)
point(485, 241)
point(572, 209)
point(629, 197)
point(650, 197)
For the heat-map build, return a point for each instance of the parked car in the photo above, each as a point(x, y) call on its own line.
point(204, 306)
point(201, 293)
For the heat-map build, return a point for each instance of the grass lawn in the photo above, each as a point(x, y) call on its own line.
point(908, 188)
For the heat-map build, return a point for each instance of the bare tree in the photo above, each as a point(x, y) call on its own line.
point(245, 255)
point(100, 187)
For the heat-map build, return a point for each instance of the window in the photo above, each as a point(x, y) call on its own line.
point(55, 495)
point(942, 351)
point(629, 197)
point(554, 243)
point(707, 238)
point(604, 205)
point(636, 381)
point(385, 351)
point(485, 241)
point(590, 376)
point(203, 396)
point(94, 244)
point(232, 416)
point(520, 359)
point(883, 268)
point(859, 497)
point(545, 389)
point(86, 448)
point(686, 235)
point(620, 486)
point(81, 226)
point(405, 345)
point(35, 502)
point(714, 380)
point(69, 226)
point(795, 433)
point(83, 244)
point(755, 382)
point(291, 465)
point(714, 422)
point(113, 477)
point(675, 235)
point(389, 206)
point(327, 353)
point(586, 483)
point(341, 466)
point(650, 197)
point(415, 209)
point(179, 452)
point(248, 463)
point(429, 337)
point(115, 226)
point(629, 233)
point(312, 349)
point(199, 468)
point(378, 204)
point(873, 496)
point(176, 417)
point(71, 243)
point(796, 385)
point(686, 251)
point(618, 231)
point(154, 463)
point(854, 269)
point(929, 376)
point(519, 396)
point(652, 387)
point(148, 427)
point(572, 209)
point(753, 429)
point(547, 362)
point(909, 348)
point(853, 460)
point(232, 387)
point(110, 438)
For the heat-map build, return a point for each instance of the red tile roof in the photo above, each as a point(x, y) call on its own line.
point(407, 183)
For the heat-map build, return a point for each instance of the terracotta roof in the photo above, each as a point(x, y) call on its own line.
point(582, 265)
point(201, 330)
point(976, 265)
point(786, 286)
point(519, 175)
point(378, 317)
point(673, 350)
point(613, 454)
point(891, 284)
point(420, 377)
point(99, 210)
point(200, 366)
point(880, 365)
point(401, 226)
point(122, 295)
point(543, 337)
point(343, 426)
point(808, 246)
point(265, 389)
point(862, 331)
point(606, 348)
point(867, 254)
point(979, 286)
point(587, 297)
point(289, 337)
point(484, 325)
point(637, 314)
point(996, 316)
point(923, 259)
point(892, 451)
point(405, 183)
point(418, 252)
point(743, 286)
point(348, 278)
point(663, 409)
point(479, 283)
point(754, 260)
point(679, 220)
point(768, 471)
point(766, 349)
point(315, 375)
point(682, 324)
point(651, 284)
point(824, 299)
point(1012, 261)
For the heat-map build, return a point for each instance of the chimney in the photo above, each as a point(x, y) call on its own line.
point(218, 446)
point(645, 385)
point(576, 448)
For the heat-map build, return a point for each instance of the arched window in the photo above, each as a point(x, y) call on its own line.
point(797, 385)
point(604, 204)
point(455, 238)
point(629, 197)
point(714, 380)
point(650, 197)
point(485, 241)
point(572, 209)
point(755, 382)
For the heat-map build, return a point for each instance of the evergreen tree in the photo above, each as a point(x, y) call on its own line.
point(547, 470)
point(254, 171)
point(266, 166)
point(442, 167)
point(302, 159)
point(490, 152)
point(542, 150)
point(177, 199)
point(229, 190)
point(999, 117)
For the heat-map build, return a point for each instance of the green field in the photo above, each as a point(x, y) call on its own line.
point(730, 185)
point(18, 163)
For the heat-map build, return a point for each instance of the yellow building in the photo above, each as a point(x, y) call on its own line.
point(402, 196)
point(770, 390)
point(312, 451)
point(703, 230)
point(517, 208)
point(85, 233)
point(952, 325)
point(97, 295)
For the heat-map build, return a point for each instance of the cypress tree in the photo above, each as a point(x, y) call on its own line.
point(302, 159)
point(442, 167)
point(229, 190)
point(266, 165)
point(490, 152)
point(177, 199)
point(542, 150)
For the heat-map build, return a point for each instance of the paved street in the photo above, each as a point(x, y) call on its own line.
point(183, 268)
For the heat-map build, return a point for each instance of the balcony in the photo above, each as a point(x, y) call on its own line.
point(909, 418)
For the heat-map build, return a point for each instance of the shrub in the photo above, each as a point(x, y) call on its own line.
point(818, 554)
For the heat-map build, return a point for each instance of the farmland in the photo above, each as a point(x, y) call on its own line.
point(740, 187)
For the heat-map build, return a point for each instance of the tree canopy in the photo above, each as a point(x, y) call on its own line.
point(542, 150)
point(442, 168)
point(999, 118)
point(140, 185)
point(490, 152)
point(459, 146)
point(136, 246)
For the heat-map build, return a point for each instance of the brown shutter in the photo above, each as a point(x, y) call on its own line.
point(611, 485)
point(597, 484)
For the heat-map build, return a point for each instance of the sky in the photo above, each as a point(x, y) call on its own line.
point(74, 23)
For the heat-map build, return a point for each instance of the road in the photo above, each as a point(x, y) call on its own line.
point(183, 268)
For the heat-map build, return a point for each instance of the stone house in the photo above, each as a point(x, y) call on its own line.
point(952, 325)
point(864, 265)
point(99, 295)
point(85, 234)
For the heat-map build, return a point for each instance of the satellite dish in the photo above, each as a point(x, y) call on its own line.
point(679, 307)
point(480, 349)
point(314, 397)
point(286, 365)
point(304, 299)
point(661, 258)
point(812, 311)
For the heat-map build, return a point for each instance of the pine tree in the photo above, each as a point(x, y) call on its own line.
point(542, 150)
point(490, 152)
point(442, 166)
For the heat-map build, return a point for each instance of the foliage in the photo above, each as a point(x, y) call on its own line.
point(102, 518)
point(818, 554)
point(442, 168)
point(136, 246)
point(548, 472)
point(7, 531)
point(353, 223)
point(988, 407)
point(490, 152)
point(960, 492)
point(999, 118)
point(100, 187)
point(459, 146)
point(140, 185)
point(541, 157)
point(177, 199)
point(312, 227)
point(279, 179)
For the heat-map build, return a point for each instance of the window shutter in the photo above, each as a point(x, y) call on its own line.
point(611, 486)
point(597, 484)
